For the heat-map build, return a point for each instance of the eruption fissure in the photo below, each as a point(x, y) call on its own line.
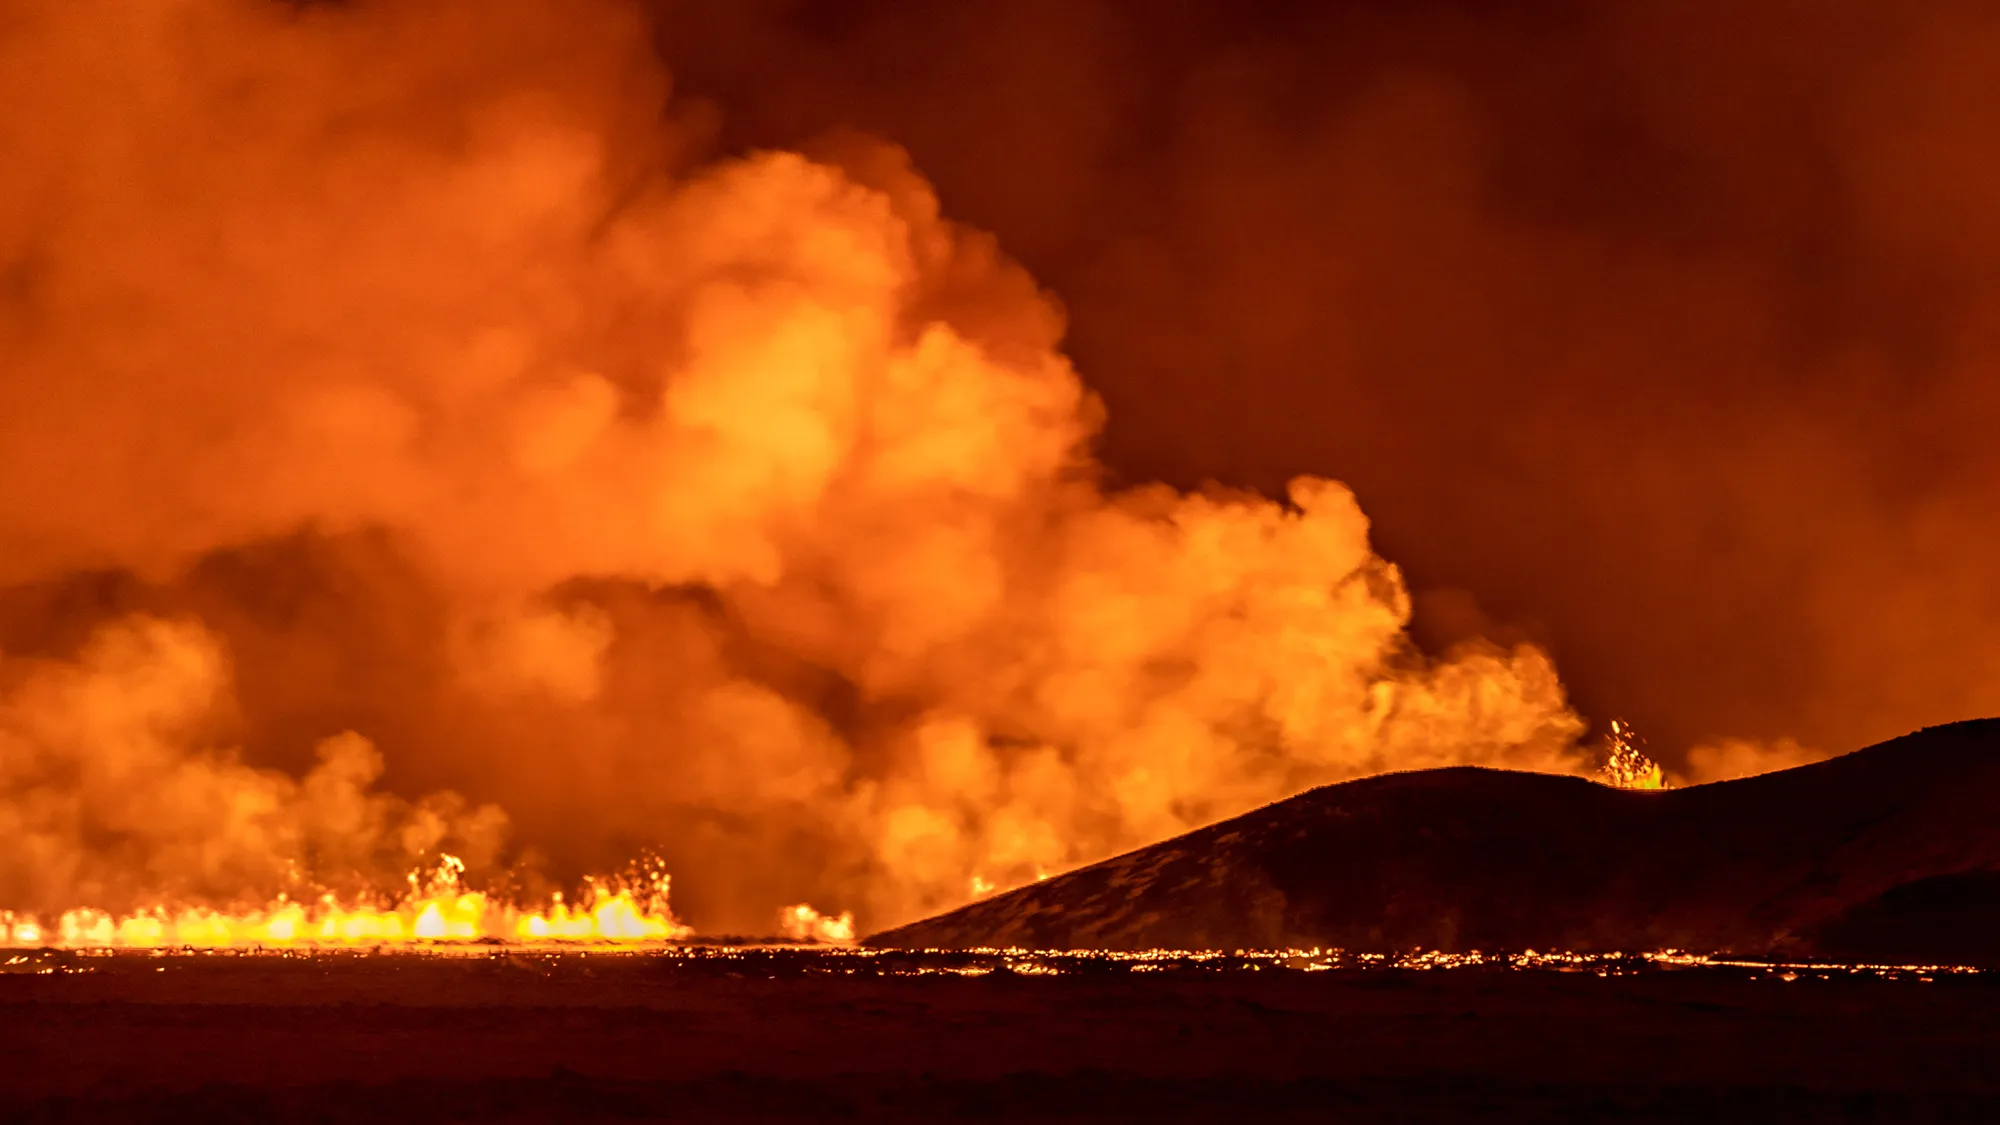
point(437, 909)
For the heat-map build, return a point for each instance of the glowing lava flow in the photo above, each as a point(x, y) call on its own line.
point(437, 909)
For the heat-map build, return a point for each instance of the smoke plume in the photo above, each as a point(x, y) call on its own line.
point(398, 401)
point(1658, 333)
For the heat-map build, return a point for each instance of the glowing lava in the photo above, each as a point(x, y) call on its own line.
point(803, 923)
point(1627, 767)
point(436, 909)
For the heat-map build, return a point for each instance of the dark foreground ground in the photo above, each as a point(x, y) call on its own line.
point(791, 1035)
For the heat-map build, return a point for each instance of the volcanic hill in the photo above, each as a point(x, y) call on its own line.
point(1891, 853)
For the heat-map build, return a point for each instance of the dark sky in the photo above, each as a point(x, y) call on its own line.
point(1663, 333)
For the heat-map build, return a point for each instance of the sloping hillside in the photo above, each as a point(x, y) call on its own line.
point(1892, 851)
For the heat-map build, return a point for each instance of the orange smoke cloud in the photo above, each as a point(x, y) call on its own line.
point(386, 372)
point(115, 798)
point(1666, 330)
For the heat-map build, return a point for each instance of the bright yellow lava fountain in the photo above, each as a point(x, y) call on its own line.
point(628, 910)
point(1627, 767)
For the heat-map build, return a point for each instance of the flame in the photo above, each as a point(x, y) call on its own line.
point(1625, 766)
point(803, 923)
point(436, 909)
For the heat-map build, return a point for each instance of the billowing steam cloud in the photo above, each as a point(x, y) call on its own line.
point(1666, 330)
point(107, 805)
point(384, 372)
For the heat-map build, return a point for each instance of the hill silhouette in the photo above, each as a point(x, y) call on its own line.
point(1891, 853)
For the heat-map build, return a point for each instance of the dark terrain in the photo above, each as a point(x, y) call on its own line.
point(790, 1035)
point(1887, 854)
